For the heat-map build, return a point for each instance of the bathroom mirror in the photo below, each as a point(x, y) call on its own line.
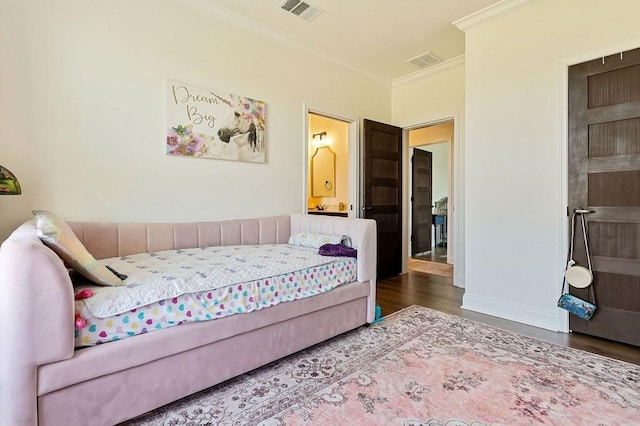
point(323, 173)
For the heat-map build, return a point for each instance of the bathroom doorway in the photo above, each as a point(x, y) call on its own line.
point(330, 167)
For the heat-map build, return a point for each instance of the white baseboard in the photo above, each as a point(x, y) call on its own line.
point(550, 320)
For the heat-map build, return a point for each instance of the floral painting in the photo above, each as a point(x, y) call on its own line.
point(207, 123)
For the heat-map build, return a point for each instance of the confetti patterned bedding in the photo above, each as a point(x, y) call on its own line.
point(261, 276)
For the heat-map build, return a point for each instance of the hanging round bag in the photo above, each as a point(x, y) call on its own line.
point(576, 275)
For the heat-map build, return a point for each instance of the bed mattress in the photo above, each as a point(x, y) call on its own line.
point(302, 274)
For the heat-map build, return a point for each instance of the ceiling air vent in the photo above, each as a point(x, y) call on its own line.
point(424, 60)
point(300, 9)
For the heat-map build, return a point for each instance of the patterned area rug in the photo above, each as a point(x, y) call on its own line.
point(422, 367)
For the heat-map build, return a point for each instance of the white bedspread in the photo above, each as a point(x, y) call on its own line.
point(163, 275)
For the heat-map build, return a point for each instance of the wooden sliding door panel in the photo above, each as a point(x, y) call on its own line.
point(613, 324)
point(382, 199)
point(384, 195)
point(614, 87)
point(421, 201)
point(611, 138)
point(620, 291)
point(604, 176)
point(615, 189)
point(384, 169)
point(615, 239)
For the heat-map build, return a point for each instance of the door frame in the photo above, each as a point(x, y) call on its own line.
point(354, 157)
point(455, 207)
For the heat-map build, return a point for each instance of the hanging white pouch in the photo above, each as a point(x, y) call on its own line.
point(576, 275)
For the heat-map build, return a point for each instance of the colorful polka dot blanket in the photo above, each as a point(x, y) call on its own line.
point(169, 288)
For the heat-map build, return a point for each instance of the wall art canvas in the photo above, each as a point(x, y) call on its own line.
point(207, 123)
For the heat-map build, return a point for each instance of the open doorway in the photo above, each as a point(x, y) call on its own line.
point(431, 186)
point(330, 164)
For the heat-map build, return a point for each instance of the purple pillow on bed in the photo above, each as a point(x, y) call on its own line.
point(337, 250)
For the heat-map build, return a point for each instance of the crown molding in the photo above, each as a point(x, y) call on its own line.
point(234, 19)
point(428, 72)
point(489, 13)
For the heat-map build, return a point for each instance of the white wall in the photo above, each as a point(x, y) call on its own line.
point(82, 107)
point(428, 97)
point(516, 148)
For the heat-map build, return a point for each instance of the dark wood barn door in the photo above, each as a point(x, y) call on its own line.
point(604, 176)
point(383, 192)
point(421, 194)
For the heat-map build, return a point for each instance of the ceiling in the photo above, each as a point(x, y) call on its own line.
point(374, 36)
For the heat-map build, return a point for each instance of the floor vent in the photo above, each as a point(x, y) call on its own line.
point(300, 9)
point(424, 60)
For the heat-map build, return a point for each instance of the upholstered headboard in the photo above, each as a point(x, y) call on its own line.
point(104, 240)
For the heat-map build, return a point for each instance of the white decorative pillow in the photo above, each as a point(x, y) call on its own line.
point(315, 240)
point(56, 234)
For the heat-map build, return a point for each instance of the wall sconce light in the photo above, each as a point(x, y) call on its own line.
point(9, 184)
point(320, 142)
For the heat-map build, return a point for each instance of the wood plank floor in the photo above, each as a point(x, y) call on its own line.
point(437, 292)
point(436, 254)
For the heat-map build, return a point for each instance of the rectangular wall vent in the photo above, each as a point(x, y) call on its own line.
point(424, 60)
point(300, 9)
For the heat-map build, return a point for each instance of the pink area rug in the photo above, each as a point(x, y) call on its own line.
point(422, 367)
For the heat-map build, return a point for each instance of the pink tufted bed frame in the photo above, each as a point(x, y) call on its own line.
point(44, 381)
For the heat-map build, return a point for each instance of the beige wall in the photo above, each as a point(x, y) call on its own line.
point(516, 106)
point(431, 134)
point(83, 117)
point(435, 95)
point(429, 96)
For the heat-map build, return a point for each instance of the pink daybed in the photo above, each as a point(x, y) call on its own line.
point(45, 381)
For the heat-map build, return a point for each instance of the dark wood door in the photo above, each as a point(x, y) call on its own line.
point(421, 194)
point(383, 192)
point(604, 176)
